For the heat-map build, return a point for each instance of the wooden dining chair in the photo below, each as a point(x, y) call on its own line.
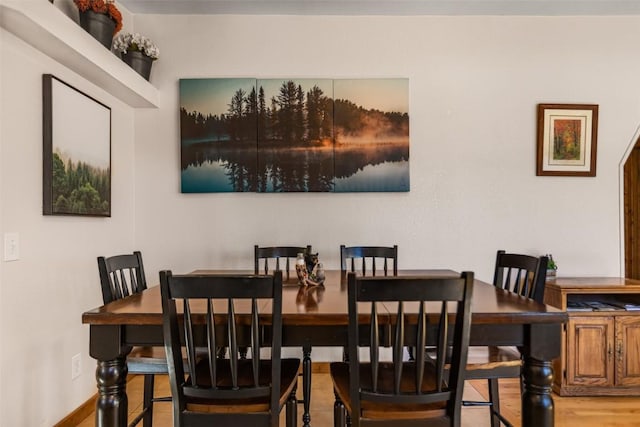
point(356, 258)
point(367, 255)
point(394, 392)
point(524, 275)
point(277, 253)
point(122, 276)
point(225, 310)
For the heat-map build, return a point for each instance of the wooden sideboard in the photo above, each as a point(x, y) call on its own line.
point(600, 349)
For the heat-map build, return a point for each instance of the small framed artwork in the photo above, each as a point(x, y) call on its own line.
point(76, 151)
point(567, 139)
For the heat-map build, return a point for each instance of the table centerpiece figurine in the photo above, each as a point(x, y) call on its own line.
point(137, 51)
point(301, 269)
point(100, 18)
point(309, 271)
point(315, 270)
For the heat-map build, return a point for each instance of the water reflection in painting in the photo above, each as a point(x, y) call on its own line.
point(278, 135)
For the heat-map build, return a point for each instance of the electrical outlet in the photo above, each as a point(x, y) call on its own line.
point(11, 246)
point(76, 366)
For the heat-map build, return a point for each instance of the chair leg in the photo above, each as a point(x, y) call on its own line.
point(147, 420)
point(292, 409)
point(339, 412)
point(306, 385)
point(494, 398)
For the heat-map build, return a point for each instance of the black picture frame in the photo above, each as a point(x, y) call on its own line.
point(76, 151)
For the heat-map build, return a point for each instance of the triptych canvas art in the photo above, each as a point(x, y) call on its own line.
point(294, 135)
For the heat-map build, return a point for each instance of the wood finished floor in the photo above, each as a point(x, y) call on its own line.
point(570, 411)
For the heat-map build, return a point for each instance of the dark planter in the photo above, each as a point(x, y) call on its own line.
point(99, 25)
point(140, 62)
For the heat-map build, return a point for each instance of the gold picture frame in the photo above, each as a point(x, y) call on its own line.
point(567, 139)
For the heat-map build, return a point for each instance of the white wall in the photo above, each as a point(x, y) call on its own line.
point(43, 295)
point(475, 83)
point(474, 86)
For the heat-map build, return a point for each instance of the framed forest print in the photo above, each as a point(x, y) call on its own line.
point(567, 139)
point(76, 151)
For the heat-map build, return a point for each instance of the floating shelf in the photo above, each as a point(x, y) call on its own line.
point(45, 27)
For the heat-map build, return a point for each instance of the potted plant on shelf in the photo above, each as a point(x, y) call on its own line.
point(552, 267)
point(137, 51)
point(100, 18)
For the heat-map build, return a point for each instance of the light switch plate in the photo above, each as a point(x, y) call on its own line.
point(11, 246)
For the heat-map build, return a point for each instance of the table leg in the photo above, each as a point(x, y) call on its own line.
point(306, 384)
point(542, 345)
point(112, 403)
point(537, 403)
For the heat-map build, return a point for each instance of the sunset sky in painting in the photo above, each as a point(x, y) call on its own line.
point(382, 94)
point(211, 96)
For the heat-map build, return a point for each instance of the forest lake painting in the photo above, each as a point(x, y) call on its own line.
point(290, 135)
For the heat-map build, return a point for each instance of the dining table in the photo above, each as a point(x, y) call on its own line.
point(317, 315)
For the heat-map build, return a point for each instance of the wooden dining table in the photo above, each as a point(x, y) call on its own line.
point(318, 316)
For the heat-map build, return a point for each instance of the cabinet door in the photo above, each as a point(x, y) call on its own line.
point(590, 346)
point(628, 350)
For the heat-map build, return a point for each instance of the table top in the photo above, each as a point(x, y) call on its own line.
point(327, 304)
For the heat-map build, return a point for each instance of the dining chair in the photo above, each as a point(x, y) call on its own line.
point(360, 256)
point(277, 253)
point(523, 275)
point(349, 255)
point(395, 392)
point(122, 276)
point(225, 310)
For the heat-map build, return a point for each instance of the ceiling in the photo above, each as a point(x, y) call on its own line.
point(385, 7)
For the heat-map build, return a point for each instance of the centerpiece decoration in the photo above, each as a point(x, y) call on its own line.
point(310, 272)
point(552, 268)
point(100, 18)
point(137, 51)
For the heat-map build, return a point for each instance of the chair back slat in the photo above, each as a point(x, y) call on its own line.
point(134, 282)
point(524, 275)
point(211, 342)
point(374, 351)
point(421, 342)
point(232, 340)
point(423, 381)
point(276, 253)
point(398, 348)
point(255, 341)
point(229, 302)
point(188, 338)
point(121, 276)
point(443, 336)
point(118, 286)
point(124, 289)
point(368, 254)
